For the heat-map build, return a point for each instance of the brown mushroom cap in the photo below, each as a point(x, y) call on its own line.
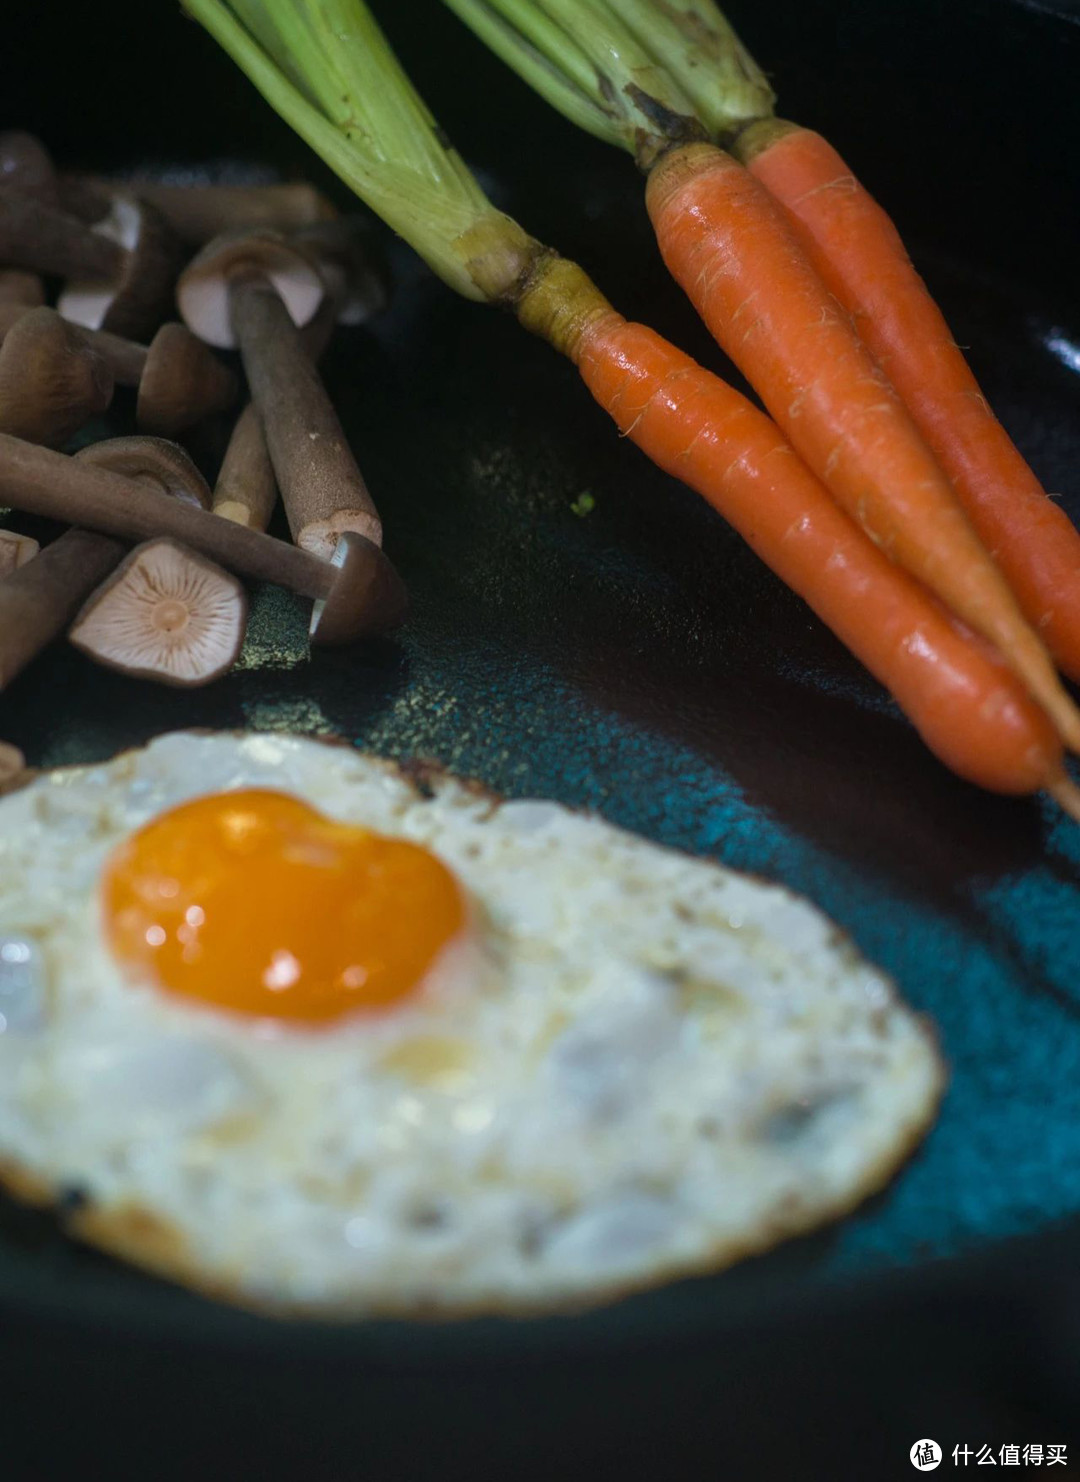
point(151, 460)
point(352, 264)
point(20, 289)
point(12, 766)
point(15, 551)
point(167, 614)
point(182, 382)
point(135, 304)
point(367, 597)
point(26, 165)
point(52, 381)
point(202, 294)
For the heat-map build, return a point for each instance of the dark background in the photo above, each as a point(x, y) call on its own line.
point(638, 660)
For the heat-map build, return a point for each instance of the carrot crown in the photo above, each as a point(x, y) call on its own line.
point(327, 69)
point(640, 74)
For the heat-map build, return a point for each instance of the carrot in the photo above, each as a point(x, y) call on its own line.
point(967, 706)
point(728, 244)
point(858, 252)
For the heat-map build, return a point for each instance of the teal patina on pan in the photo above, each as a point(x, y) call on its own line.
point(626, 652)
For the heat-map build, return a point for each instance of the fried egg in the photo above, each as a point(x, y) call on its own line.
point(322, 1035)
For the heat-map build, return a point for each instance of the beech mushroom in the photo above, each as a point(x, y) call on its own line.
point(21, 289)
point(198, 213)
point(133, 295)
point(357, 593)
point(15, 550)
point(27, 166)
point(164, 466)
point(39, 599)
point(180, 381)
point(352, 267)
point(167, 614)
point(235, 288)
point(12, 766)
point(37, 602)
point(52, 381)
point(246, 490)
point(37, 236)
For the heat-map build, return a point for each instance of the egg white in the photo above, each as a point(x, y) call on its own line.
point(639, 1065)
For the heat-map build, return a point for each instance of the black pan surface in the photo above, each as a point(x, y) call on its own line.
point(640, 661)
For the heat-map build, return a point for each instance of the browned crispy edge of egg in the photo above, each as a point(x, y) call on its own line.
point(143, 1238)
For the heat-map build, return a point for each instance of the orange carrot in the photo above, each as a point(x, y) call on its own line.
point(858, 252)
point(728, 244)
point(967, 706)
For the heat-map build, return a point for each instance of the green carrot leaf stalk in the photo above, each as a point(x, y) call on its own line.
point(854, 249)
point(326, 68)
point(672, 79)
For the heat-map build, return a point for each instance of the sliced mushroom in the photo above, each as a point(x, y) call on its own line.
point(198, 213)
point(167, 614)
point(180, 381)
point(133, 296)
point(52, 381)
point(15, 550)
point(358, 593)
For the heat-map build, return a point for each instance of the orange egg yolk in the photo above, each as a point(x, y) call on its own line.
point(255, 903)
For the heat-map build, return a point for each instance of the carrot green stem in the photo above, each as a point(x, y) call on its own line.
point(586, 62)
point(642, 74)
point(326, 68)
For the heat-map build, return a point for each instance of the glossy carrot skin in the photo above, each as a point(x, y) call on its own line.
point(732, 250)
point(858, 252)
point(967, 706)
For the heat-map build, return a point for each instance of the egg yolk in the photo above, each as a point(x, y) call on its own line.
point(255, 903)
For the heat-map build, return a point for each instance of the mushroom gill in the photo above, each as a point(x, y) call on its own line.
point(167, 614)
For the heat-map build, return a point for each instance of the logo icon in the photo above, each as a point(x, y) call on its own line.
point(925, 1456)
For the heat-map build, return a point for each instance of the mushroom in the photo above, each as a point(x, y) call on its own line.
point(52, 381)
point(167, 614)
point(27, 166)
point(180, 381)
point(259, 289)
point(352, 266)
point(358, 592)
point(37, 602)
point(133, 296)
point(12, 767)
point(163, 466)
point(198, 213)
point(15, 551)
point(38, 236)
point(246, 490)
point(21, 289)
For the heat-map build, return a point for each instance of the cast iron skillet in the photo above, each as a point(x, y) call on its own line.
point(640, 661)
